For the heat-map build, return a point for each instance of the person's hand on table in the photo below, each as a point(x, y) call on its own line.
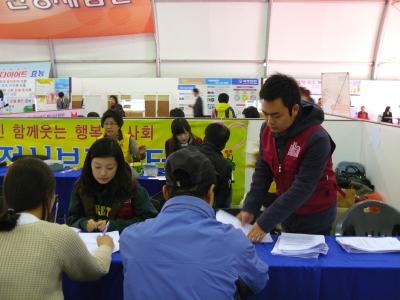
point(91, 225)
point(105, 240)
point(245, 217)
point(142, 149)
point(101, 225)
point(256, 234)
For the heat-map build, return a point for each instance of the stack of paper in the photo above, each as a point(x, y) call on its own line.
point(300, 245)
point(369, 244)
point(91, 243)
point(227, 218)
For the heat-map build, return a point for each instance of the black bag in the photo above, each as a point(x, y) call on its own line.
point(348, 172)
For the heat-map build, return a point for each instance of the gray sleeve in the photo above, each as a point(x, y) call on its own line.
point(134, 150)
point(261, 181)
point(76, 260)
point(317, 153)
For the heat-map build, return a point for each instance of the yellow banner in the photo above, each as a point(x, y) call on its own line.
point(69, 140)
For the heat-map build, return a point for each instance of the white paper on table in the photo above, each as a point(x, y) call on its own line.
point(300, 245)
point(161, 178)
point(89, 238)
point(226, 218)
point(298, 242)
point(369, 244)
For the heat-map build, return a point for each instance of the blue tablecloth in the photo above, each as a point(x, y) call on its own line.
point(65, 181)
point(337, 276)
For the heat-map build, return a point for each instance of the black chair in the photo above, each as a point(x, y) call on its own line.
point(16, 157)
point(370, 218)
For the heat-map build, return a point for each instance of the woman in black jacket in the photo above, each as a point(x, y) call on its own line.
point(114, 105)
point(387, 115)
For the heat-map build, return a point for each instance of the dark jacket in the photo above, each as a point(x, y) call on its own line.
point(63, 103)
point(118, 107)
point(198, 108)
point(319, 149)
point(387, 117)
point(171, 145)
point(223, 189)
point(102, 207)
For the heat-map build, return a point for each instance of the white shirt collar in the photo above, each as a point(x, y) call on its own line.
point(27, 218)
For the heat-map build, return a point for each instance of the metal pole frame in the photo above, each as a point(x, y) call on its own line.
point(267, 34)
point(53, 58)
point(379, 38)
point(156, 39)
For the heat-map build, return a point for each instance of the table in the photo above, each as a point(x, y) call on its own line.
point(66, 179)
point(336, 276)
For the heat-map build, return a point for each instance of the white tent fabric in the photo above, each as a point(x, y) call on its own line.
point(251, 38)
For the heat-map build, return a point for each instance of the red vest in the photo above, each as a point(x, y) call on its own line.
point(325, 193)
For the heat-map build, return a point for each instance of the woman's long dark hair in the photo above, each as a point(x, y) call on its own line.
point(387, 109)
point(115, 98)
point(28, 184)
point(120, 187)
point(179, 126)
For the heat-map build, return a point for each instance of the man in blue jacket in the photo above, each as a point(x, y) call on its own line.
point(185, 253)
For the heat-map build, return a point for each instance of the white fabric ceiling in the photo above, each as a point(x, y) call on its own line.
point(236, 38)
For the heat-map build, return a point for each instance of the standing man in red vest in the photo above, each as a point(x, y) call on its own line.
point(297, 152)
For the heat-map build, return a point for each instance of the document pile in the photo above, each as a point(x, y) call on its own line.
point(91, 243)
point(300, 245)
point(227, 218)
point(369, 244)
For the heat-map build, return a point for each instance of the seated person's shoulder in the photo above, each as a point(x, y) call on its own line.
point(138, 231)
point(197, 140)
point(58, 233)
point(138, 190)
point(234, 239)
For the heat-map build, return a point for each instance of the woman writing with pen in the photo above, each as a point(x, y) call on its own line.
point(107, 192)
point(35, 253)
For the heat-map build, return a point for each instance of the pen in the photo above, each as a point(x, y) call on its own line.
point(105, 228)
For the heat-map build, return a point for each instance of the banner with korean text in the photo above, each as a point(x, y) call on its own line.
point(69, 140)
point(17, 81)
point(55, 19)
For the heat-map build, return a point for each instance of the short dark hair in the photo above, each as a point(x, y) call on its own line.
point(223, 98)
point(120, 187)
point(284, 87)
point(195, 90)
point(199, 190)
point(176, 113)
point(115, 98)
point(251, 112)
point(93, 114)
point(60, 94)
point(180, 125)
point(217, 134)
point(189, 172)
point(116, 116)
point(28, 184)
